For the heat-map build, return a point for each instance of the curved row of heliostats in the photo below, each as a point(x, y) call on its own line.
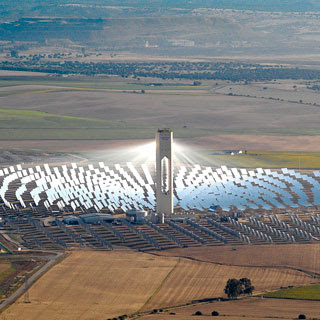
point(128, 186)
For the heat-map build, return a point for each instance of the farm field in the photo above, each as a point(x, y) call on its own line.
point(299, 256)
point(93, 285)
point(266, 159)
point(202, 109)
point(59, 115)
point(101, 285)
point(284, 91)
point(306, 292)
point(35, 125)
point(193, 280)
point(252, 308)
point(98, 84)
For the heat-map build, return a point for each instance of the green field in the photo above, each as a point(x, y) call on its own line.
point(311, 292)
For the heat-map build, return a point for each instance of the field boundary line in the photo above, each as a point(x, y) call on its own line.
point(161, 284)
point(309, 273)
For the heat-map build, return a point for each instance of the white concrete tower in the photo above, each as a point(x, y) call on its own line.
point(164, 172)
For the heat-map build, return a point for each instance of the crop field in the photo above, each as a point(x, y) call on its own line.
point(70, 110)
point(112, 85)
point(193, 280)
point(203, 109)
point(259, 159)
point(93, 285)
point(297, 256)
point(294, 92)
point(101, 285)
point(287, 159)
point(36, 125)
point(306, 292)
point(252, 308)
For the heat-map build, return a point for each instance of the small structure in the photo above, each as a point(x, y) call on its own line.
point(157, 218)
point(95, 218)
point(90, 218)
point(71, 220)
point(136, 216)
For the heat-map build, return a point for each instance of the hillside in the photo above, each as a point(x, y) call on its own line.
point(204, 31)
point(10, 10)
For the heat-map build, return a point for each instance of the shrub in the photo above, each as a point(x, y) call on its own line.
point(302, 316)
point(198, 313)
point(215, 313)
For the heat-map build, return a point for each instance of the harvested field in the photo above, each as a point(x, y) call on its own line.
point(252, 308)
point(298, 256)
point(107, 284)
point(193, 280)
point(93, 285)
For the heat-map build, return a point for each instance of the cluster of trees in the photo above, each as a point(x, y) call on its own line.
point(235, 287)
point(165, 70)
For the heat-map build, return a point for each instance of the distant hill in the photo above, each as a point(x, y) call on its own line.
point(150, 33)
point(163, 27)
point(12, 10)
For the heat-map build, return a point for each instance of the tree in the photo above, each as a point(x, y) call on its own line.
point(14, 53)
point(233, 288)
point(247, 287)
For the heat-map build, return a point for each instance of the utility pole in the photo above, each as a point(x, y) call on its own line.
point(26, 291)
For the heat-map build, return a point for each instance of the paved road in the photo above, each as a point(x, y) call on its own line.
point(54, 256)
point(6, 236)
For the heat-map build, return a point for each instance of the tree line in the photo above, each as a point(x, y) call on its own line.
point(232, 71)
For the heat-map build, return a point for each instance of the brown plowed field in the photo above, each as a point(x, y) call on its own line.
point(253, 309)
point(193, 280)
point(299, 256)
point(93, 285)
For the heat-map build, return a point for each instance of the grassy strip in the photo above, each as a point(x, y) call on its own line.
point(311, 292)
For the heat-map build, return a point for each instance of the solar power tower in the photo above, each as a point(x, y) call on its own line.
point(164, 186)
